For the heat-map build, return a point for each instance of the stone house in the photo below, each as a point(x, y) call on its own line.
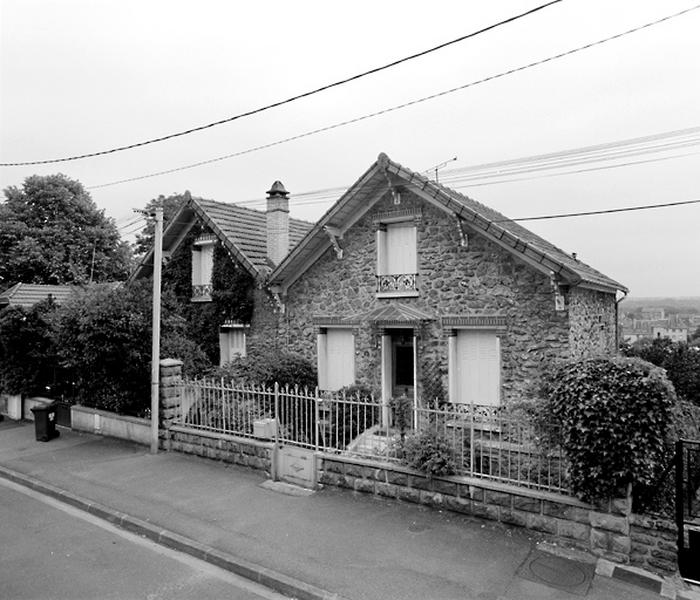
point(412, 288)
point(404, 285)
point(217, 257)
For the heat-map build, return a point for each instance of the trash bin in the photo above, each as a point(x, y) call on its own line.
point(45, 422)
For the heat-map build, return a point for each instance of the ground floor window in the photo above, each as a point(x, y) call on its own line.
point(336, 358)
point(231, 342)
point(475, 367)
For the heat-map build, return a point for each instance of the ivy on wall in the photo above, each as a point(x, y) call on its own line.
point(232, 296)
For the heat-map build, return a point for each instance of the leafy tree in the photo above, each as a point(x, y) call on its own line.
point(26, 349)
point(171, 205)
point(52, 232)
point(681, 361)
point(103, 335)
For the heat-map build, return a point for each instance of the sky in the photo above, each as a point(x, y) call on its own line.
point(81, 76)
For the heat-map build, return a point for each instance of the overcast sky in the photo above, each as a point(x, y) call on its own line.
point(85, 76)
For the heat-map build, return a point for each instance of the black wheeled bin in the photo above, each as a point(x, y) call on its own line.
point(45, 422)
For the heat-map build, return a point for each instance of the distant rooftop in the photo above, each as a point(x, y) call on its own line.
point(27, 295)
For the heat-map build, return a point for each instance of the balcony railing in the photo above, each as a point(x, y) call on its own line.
point(202, 293)
point(399, 282)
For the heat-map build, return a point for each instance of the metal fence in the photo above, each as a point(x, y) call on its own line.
point(485, 443)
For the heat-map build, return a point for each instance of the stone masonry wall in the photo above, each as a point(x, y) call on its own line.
point(592, 317)
point(244, 452)
point(654, 544)
point(609, 531)
point(482, 279)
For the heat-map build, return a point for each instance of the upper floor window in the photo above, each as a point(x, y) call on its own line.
point(397, 260)
point(202, 268)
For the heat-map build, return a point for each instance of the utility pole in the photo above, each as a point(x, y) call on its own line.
point(155, 348)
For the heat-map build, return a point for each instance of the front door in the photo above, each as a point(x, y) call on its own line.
point(402, 364)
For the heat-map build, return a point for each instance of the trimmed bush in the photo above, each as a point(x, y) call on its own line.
point(267, 368)
point(429, 452)
point(615, 416)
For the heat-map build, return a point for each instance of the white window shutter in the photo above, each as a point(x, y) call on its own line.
point(207, 266)
point(196, 266)
point(340, 359)
point(479, 368)
point(400, 249)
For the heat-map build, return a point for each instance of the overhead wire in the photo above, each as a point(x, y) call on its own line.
point(292, 98)
point(403, 105)
point(493, 173)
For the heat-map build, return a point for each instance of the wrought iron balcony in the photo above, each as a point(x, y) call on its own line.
point(399, 282)
point(202, 293)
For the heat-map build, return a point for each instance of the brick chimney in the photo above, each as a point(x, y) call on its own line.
point(277, 215)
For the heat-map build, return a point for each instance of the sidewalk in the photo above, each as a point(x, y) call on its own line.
point(352, 545)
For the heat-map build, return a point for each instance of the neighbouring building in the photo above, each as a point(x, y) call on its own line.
point(27, 295)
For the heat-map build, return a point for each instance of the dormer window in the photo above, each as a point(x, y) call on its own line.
point(397, 261)
point(202, 268)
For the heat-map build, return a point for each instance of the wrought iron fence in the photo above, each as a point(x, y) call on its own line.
point(486, 443)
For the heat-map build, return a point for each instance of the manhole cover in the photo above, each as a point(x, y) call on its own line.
point(418, 527)
point(558, 572)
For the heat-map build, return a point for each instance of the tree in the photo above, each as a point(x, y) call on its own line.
point(171, 205)
point(52, 232)
point(103, 336)
point(681, 361)
point(26, 349)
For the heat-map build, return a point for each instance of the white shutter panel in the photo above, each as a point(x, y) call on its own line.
point(479, 368)
point(401, 249)
point(340, 363)
point(196, 266)
point(207, 267)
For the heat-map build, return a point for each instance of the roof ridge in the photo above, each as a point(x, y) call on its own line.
point(248, 209)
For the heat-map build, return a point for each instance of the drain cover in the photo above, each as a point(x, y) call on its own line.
point(558, 572)
point(418, 527)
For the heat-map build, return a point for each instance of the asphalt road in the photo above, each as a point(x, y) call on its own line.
point(50, 550)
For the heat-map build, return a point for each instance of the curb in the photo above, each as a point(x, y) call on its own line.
point(279, 582)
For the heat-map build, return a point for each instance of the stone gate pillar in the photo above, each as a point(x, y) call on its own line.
point(170, 392)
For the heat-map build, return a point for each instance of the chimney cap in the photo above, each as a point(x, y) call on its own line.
point(277, 189)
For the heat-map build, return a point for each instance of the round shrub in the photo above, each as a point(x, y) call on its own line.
point(615, 415)
point(270, 367)
point(429, 452)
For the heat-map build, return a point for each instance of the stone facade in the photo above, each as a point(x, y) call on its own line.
point(453, 280)
point(654, 544)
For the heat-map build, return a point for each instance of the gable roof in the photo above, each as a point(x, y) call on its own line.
point(241, 230)
point(27, 295)
point(384, 175)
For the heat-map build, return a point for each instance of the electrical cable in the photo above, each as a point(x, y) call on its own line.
point(399, 106)
point(288, 100)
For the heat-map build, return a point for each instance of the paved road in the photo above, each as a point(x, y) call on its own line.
point(49, 550)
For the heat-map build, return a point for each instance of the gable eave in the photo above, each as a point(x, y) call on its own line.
point(384, 172)
point(316, 241)
point(176, 232)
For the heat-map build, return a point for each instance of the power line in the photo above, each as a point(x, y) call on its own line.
point(602, 212)
point(589, 213)
point(492, 173)
point(291, 99)
point(399, 106)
